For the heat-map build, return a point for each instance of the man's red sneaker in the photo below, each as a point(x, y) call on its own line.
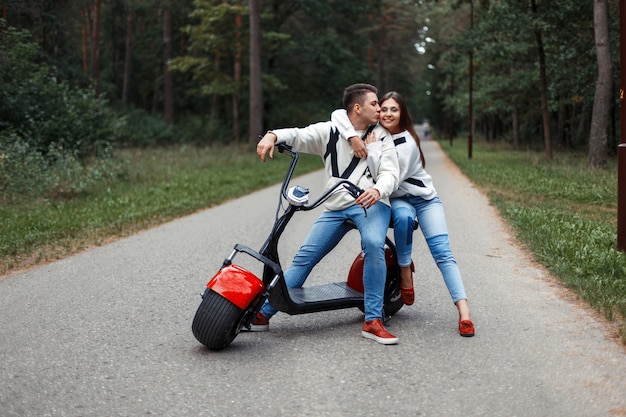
point(260, 323)
point(466, 328)
point(376, 331)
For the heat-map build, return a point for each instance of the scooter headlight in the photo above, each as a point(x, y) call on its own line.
point(298, 196)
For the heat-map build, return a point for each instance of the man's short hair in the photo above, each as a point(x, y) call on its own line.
point(356, 94)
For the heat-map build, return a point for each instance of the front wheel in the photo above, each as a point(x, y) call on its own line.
point(217, 321)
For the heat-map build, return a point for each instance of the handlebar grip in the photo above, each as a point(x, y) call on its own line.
point(354, 190)
point(282, 147)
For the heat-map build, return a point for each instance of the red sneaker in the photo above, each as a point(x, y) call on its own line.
point(376, 331)
point(260, 323)
point(466, 328)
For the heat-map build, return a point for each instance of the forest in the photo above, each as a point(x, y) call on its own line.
point(80, 77)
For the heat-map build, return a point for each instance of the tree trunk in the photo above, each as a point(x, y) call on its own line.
point(602, 100)
point(95, 45)
point(583, 120)
point(156, 88)
point(470, 109)
point(545, 113)
point(256, 89)
point(215, 98)
point(128, 54)
point(450, 119)
point(85, 30)
point(168, 89)
point(237, 78)
point(561, 136)
point(515, 119)
point(370, 46)
point(381, 47)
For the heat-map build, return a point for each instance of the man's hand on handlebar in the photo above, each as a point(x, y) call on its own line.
point(265, 145)
point(369, 197)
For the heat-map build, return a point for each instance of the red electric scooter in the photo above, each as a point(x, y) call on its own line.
point(234, 295)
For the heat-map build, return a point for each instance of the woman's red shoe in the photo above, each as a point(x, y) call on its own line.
point(407, 295)
point(466, 328)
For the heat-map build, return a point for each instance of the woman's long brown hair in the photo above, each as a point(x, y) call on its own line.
point(406, 122)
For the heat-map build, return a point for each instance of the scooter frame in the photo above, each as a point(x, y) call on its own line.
point(234, 295)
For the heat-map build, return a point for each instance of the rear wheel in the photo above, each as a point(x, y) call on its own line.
point(217, 321)
point(392, 302)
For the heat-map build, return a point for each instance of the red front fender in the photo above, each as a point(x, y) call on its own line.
point(237, 285)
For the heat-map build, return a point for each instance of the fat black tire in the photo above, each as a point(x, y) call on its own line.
point(392, 302)
point(217, 321)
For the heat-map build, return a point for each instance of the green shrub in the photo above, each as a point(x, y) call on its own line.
point(46, 112)
point(142, 129)
point(23, 171)
point(25, 174)
point(201, 131)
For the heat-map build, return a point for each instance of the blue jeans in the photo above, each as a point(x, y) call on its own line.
point(326, 233)
point(432, 221)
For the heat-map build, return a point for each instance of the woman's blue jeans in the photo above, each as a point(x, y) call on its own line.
point(326, 233)
point(432, 221)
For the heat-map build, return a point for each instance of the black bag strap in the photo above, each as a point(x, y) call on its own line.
point(331, 149)
point(415, 181)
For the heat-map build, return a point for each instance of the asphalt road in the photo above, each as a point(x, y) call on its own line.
point(108, 332)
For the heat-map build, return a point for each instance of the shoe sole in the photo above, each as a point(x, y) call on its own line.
point(259, 327)
point(381, 340)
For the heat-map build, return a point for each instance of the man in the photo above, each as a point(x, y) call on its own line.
point(361, 103)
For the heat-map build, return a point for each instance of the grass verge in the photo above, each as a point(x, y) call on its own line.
point(564, 213)
point(159, 185)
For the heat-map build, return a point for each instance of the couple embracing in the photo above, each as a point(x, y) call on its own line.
point(374, 145)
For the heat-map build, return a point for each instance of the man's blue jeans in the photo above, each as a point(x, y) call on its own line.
point(432, 221)
point(326, 233)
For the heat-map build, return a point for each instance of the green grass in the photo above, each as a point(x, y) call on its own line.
point(564, 213)
point(159, 185)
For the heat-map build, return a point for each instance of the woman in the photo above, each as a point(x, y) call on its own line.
point(415, 197)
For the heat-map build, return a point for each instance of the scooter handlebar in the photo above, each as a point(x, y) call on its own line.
point(283, 147)
point(354, 190)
